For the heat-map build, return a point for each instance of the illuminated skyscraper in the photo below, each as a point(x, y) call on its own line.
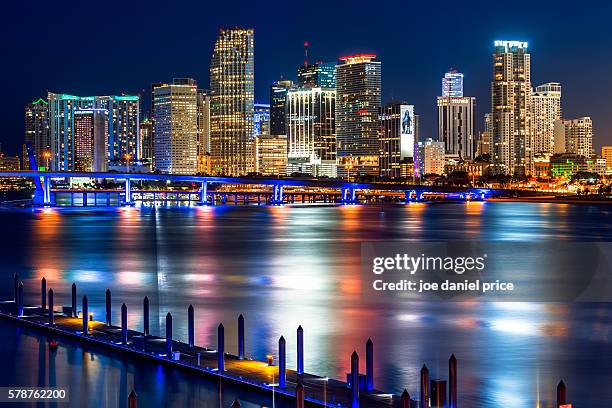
point(176, 127)
point(261, 119)
point(397, 140)
point(456, 125)
point(123, 125)
point(606, 154)
point(318, 75)
point(278, 100)
point(579, 136)
point(271, 154)
point(203, 130)
point(358, 101)
point(311, 126)
point(546, 103)
point(232, 102)
point(452, 84)
point(37, 130)
point(511, 108)
point(90, 139)
point(146, 140)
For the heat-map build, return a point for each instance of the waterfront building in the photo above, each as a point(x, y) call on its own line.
point(358, 86)
point(430, 157)
point(579, 136)
point(456, 125)
point(271, 155)
point(146, 141)
point(397, 140)
point(91, 140)
point(452, 84)
point(541, 165)
point(232, 102)
point(511, 108)
point(311, 127)
point(176, 127)
point(261, 120)
point(473, 169)
point(546, 103)
point(559, 136)
point(61, 108)
point(203, 119)
point(568, 164)
point(318, 75)
point(37, 131)
point(278, 101)
point(606, 154)
point(123, 125)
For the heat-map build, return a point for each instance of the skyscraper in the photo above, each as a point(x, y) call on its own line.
point(606, 154)
point(511, 108)
point(358, 101)
point(311, 127)
point(176, 127)
point(397, 140)
point(278, 99)
point(37, 130)
point(546, 103)
point(123, 125)
point(579, 136)
point(452, 84)
point(203, 130)
point(456, 125)
point(318, 75)
point(91, 139)
point(146, 140)
point(232, 86)
point(261, 119)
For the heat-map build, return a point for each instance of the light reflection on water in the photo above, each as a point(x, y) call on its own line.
point(283, 267)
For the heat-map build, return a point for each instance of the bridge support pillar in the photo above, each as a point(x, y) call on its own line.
point(128, 191)
point(277, 194)
point(47, 191)
point(203, 193)
point(349, 195)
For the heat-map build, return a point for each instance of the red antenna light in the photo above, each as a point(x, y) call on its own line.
point(306, 45)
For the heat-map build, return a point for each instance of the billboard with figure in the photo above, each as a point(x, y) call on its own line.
point(407, 131)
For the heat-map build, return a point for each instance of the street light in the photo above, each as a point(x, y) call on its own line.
point(127, 158)
point(47, 156)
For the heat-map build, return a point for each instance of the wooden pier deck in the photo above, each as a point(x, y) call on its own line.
point(255, 375)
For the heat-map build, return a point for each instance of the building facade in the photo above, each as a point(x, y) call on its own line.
point(318, 75)
point(456, 125)
point(271, 155)
point(147, 142)
point(511, 110)
point(579, 136)
point(278, 101)
point(606, 154)
point(430, 157)
point(176, 127)
point(91, 140)
point(311, 127)
point(261, 119)
point(37, 131)
point(232, 102)
point(546, 103)
point(452, 84)
point(397, 140)
point(203, 109)
point(358, 103)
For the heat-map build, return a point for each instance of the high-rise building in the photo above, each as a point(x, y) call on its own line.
point(261, 119)
point(278, 100)
point(452, 84)
point(484, 141)
point(91, 140)
point(430, 157)
point(146, 140)
point(311, 126)
point(546, 103)
point(579, 136)
point(397, 140)
point(456, 125)
point(232, 99)
point(123, 125)
point(512, 149)
point(271, 154)
point(37, 130)
point(203, 131)
point(559, 136)
point(358, 102)
point(318, 75)
point(176, 127)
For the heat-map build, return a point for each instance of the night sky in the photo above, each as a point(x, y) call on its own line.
point(107, 47)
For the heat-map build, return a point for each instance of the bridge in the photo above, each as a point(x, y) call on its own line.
point(45, 196)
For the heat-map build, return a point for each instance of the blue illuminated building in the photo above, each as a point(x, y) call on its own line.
point(261, 123)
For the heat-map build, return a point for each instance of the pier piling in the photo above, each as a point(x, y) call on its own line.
point(299, 395)
point(132, 400)
point(405, 402)
point(452, 382)
point(369, 365)
point(15, 287)
point(145, 308)
point(235, 404)
point(354, 380)
point(424, 387)
point(561, 394)
point(438, 393)
point(85, 316)
point(221, 347)
point(51, 322)
point(124, 325)
point(241, 337)
point(282, 363)
point(20, 300)
point(169, 335)
point(300, 350)
point(190, 326)
point(108, 307)
point(43, 293)
point(74, 301)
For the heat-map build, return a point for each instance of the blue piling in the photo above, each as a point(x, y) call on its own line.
point(169, 335)
point(452, 382)
point(221, 348)
point(51, 321)
point(282, 363)
point(124, 325)
point(20, 300)
point(85, 316)
point(43, 293)
point(241, 337)
point(299, 395)
point(354, 380)
point(190, 326)
point(108, 307)
point(369, 365)
point(300, 350)
point(424, 387)
point(146, 315)
point(74, 301)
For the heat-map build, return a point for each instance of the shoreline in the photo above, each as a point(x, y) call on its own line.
point(552, 200)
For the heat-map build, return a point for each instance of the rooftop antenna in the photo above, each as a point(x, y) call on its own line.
point(306, 45)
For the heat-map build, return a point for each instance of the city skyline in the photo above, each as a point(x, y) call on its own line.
point(278, 55)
